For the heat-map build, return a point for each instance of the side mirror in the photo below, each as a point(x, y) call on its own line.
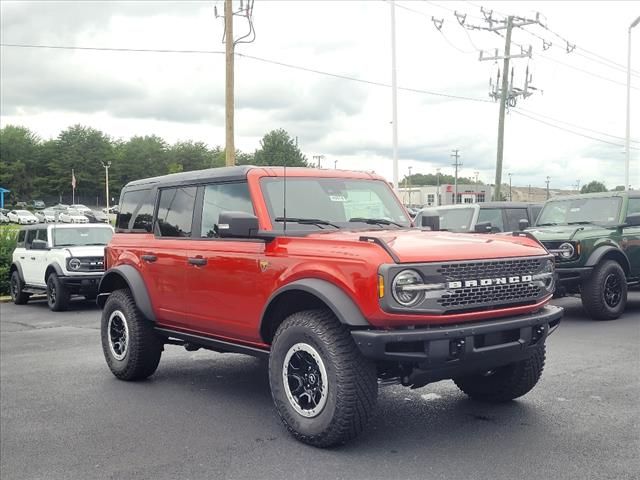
point(483, 227)
point(237, 225)
point(523, 224)
point(632, 220)
point(39, 245)
point(431, 221)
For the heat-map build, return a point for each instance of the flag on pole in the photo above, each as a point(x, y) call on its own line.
point(73, 180)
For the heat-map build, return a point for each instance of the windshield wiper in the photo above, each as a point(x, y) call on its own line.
point(306, 221)
point(583, 222)
point(551, 224)
point(65, 245)
point(375, 221)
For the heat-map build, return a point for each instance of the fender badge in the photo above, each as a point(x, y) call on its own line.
point(263, 265)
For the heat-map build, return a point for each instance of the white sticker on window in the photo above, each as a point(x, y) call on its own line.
point(337, 198)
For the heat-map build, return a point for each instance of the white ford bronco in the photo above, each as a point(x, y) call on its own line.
point(60, 260)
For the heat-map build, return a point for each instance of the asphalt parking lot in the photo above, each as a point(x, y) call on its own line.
point(207, 415)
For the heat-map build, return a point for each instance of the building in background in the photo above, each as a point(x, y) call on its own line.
point(432, 195)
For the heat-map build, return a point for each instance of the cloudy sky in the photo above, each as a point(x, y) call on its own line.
point(180, 96)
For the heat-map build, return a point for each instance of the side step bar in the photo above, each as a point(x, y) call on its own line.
point(214, 344)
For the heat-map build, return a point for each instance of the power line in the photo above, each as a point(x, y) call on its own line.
point(518, 110)
point(570, 131)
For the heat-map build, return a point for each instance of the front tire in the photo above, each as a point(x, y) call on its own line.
point(505, 383)
point(130, 345)
point(604, 294)
point(57, 294)
point(17, 295)
point(323, 388)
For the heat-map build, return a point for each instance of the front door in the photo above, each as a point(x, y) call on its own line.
point(631, 238)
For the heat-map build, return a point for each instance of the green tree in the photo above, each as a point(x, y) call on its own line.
point(278, 148)
point(593, 187)
point(19, 152)
point(140, 157)
point(432, 179)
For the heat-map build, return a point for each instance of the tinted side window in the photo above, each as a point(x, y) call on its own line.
point(31, 235)
point(128, 204)
point(21, 237)
point(535, 211)
point(493, 215)
point(175, 211)
point(223, 197)
point(144, 215)
point(634, 206)
point(42, 234)
point(514, 215)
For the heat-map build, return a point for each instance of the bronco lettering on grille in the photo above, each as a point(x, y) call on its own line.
point(485, 282)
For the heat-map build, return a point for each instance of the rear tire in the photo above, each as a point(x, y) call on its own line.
point(17, 295)
point(323, 388)
point(505, 383)
point(604, 293)
point(57, 294)
point(130, 345)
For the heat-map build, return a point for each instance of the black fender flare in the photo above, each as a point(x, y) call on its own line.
point(57, 269)
point(134, 282)
point(598, 254)
point(18, 267)
point(343, 307)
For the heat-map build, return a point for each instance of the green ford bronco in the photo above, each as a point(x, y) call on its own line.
point(596, 242)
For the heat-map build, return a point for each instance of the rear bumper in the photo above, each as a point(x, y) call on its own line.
point(449, 351)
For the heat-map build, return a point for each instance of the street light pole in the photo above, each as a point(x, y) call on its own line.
point(548, 178)
point(510, 197)
point(628, 130)
point(437, 187)
point(106, 181)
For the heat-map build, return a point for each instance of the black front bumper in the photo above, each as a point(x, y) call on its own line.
point(449, 351)
point(82, 284)
point(572, 275)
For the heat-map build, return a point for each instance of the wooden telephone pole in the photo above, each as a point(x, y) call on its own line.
point(230, 149)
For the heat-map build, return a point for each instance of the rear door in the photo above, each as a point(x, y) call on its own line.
point(28, 260)
point(631, 238)
point(164, 258)
point(40, 259)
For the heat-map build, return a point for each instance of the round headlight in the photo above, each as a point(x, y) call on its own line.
point(404, 288)
point(547, 276)
point(75, 264)
point(567, 250)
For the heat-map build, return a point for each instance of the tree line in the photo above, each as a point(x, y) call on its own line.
point(33, 168)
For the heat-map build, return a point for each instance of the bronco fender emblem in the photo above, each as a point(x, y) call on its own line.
point(263, 265)
point(485, 282)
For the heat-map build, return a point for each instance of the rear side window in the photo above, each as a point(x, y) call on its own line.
point(175, 211)
point(31, 235)
point(144, 215)
point(128, 204)
point(21, 237)
point(223, 197)
point(493, 215)
point(42, 234)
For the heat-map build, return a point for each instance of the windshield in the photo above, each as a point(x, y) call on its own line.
point(72, 211)
point(367, 203)
point(70, 237)
point(451, 219)
point(601, 211)
point(24, 212)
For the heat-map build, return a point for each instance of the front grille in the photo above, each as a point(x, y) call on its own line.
point(91, 264)
point(490, 295)
point(489, 269)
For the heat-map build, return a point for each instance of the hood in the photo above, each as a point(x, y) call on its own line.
point(88, 251)
point(415, 246)
point(561, 232)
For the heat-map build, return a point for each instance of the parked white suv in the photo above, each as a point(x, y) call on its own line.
point(60, 260)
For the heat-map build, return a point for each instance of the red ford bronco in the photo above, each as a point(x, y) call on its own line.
point(320, 272)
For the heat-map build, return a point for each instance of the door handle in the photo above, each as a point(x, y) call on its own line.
point(197, 261)
point(149, 258)
point(33, 258)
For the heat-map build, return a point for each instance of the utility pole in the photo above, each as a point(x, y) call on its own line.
point(510, 196)
point(409, 179)
point(246, 10)
point(577, 185)
point(628, 129)
point(335, 164)
point(319, 158)
point(548, 179)
point(505, 92)
point(476, 173)
point(394, 95)
point(456, 164)
point(106, 166)
point(529, 195)
point(438, 187)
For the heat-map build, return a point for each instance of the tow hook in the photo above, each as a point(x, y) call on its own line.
point(456, 347)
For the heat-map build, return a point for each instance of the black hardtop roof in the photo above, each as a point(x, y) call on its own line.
point(509, 204)
point(221, 173)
